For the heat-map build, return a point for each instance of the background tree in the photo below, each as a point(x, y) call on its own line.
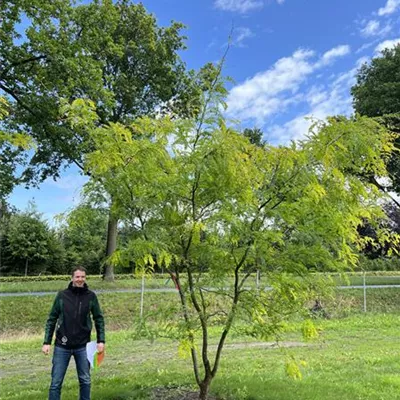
point(213, 208)
point(78, 240)
point(110, 52)
point(377, 94)
point(12, 147)
point(83, 235)
point(5, 214)
point(30, 243)
point(255, 135)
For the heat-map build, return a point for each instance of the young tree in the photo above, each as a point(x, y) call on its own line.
point(213, 208)
point(110, 52)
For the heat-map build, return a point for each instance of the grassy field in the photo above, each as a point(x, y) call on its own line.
point(96, 283)
point(355, 358)
point(122, 310)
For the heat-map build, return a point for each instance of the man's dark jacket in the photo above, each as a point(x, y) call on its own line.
point(70, 315)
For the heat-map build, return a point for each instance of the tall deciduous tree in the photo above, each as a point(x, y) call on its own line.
point(110, 52)
point(12, 147)
point(213, 208)
point(377, 94)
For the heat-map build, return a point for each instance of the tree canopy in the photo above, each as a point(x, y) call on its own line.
point(112, 53)
point(83, 236)
point(206, 199)
point(377, 94)
point(12, 148)
point(377, 91)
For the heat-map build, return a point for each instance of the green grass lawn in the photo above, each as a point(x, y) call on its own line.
point(27, 315)
point(122, 310)
point(96, 283)
point(355, 358)
point(93, 282)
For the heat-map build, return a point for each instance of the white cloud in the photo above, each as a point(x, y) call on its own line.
point(241, 6)
point(240, 34)
point(258, 97)
point(387, 44)
point(272, 91)
point(322, 101)
point(374, 28)
point(366, 46)
point(390, 7)
point(371, 28)
point(330, 55)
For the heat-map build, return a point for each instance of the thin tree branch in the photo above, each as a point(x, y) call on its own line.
point(19, 63)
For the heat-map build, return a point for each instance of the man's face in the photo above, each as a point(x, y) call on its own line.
point(78, 278)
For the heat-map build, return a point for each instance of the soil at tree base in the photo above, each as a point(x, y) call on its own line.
point(177, 393)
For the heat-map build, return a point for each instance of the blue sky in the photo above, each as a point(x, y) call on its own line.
point(289, 59)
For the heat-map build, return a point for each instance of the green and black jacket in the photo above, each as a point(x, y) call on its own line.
point(70, 316)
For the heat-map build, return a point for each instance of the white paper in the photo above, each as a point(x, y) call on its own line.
point(91, 350)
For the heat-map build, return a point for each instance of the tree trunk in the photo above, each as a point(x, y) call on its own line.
point(204, 388)
point(108, 274)
point(26, 267)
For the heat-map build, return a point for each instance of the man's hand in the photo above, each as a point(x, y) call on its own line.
point(46, 349)
point(100, 347)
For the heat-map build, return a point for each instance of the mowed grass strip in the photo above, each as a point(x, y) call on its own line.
point(355, 358)
point(96, 283)
point(28, 314)
point(93, 282)
point(19, 315)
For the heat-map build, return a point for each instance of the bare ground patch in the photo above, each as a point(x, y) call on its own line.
point(176, 393)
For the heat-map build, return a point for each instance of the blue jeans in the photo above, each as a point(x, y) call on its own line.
point(61, 359)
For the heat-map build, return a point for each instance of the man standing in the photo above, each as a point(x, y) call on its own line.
point(70, 316)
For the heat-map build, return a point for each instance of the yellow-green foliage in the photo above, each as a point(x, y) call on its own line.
point(309, 330)
point(293, 368)
point(184, 348)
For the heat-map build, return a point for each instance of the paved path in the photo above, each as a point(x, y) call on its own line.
point(170, 290)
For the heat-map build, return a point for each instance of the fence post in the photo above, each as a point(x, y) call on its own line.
point(142, 298)
point(365, 293)
point(258, 279)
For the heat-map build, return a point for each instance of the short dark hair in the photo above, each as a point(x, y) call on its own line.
point(78, 268)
